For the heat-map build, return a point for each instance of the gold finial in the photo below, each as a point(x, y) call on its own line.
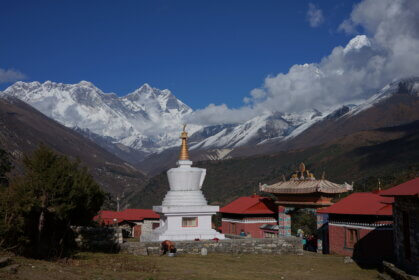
point(302, 167)
point(184, 154)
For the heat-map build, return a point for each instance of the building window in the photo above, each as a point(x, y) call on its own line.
point(406, 236)
point(189, 221)
point(351, 237)
point(155, 225)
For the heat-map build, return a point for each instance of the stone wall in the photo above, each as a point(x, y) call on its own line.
point(105, 239)
point(278, 246)
point(147, 226)
point(410, 206)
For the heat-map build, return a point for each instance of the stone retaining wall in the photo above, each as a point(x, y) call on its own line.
point(106, 239)
point(277, 246)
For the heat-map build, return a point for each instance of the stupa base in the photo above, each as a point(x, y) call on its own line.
point(155, 237)
point(179, 223)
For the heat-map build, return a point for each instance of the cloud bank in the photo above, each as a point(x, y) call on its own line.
point(314, 15)
point(387, 50)
point(10, 76)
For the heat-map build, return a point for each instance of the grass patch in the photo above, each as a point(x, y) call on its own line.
point(214, 266)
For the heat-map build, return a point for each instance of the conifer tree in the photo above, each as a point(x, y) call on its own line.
point(54, 194)
point(5, 166)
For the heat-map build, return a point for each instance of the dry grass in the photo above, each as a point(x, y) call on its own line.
point(213, 266)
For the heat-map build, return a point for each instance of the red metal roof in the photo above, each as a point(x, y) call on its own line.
point(254, 204)
point(407, 188)
point(139, 214)
point(107, 217)
point(362, 204)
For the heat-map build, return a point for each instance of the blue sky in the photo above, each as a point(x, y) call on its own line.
point(204, 51)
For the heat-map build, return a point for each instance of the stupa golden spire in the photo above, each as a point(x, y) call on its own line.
point(184, 154)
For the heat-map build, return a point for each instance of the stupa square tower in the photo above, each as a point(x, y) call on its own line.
point(184, 213)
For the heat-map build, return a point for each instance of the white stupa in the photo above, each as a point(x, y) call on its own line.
point(184, 213)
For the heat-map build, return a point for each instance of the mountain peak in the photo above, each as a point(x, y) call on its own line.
point(145, 87)
point(22, 87)
point(357, 43)
point(86, 83)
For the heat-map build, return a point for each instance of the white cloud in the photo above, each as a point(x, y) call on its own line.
point(221, 114)
point(10, 75)
point(314, 15)
point(387, 51)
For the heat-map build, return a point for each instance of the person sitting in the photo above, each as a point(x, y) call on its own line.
point(168, 246)
point(242, 233)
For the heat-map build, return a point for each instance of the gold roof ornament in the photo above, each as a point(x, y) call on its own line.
point(184, 153)
point(302, 167)
point(303, 181)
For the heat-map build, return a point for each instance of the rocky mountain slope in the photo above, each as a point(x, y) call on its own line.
point(144, 120)
point(396, 104)
point(369, 159)
point(349, 142)
point(145, 124)
point(23, 128)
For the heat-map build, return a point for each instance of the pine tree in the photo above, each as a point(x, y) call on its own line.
point(54, 194)
point(5, 166)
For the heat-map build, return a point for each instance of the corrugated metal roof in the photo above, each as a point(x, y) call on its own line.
point(254, 204)
point(361, 204)
point(108, 216)
point(408, 188)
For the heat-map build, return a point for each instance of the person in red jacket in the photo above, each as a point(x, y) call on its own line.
point(168, 246)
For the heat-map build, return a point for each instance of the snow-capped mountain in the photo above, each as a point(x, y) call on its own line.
point(147, 119)
point(283, 127)
point(258, 130)
point(404, 86)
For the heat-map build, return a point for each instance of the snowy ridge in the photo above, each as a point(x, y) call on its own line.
point(263, 128)
point(408, 85)
point(149, 119)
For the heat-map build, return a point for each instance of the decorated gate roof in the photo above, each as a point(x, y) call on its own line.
point(304, 182)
